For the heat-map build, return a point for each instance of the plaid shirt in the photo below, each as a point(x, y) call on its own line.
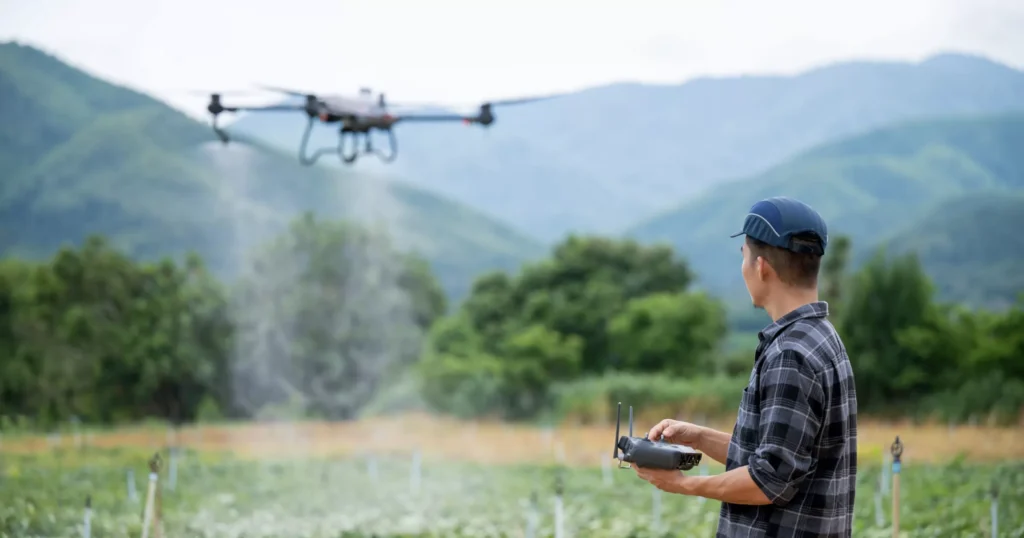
point(797, 432)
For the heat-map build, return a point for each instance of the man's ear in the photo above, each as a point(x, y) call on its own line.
point(762, 268)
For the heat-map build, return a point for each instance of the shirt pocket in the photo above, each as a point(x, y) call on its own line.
point(750, 403)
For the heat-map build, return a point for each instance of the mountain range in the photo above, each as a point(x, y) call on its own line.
point(898, 186)
point(601, 160)
point(920, 157)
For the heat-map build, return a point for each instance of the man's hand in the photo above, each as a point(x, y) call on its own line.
point(713, 443)
point(667, 481)
point(677, 432)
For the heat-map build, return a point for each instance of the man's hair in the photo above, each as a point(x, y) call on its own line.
point(794, 268)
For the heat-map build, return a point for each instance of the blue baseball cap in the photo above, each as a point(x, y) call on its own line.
point(776, 220)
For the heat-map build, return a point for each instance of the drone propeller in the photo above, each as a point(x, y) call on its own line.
point(228, 93)
point(522, 100)
point(286, 91)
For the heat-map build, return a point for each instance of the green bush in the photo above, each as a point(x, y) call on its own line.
point(593, 399)
point(993, 398)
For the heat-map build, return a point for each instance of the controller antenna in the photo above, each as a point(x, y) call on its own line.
point(618, 420)
point(631, 421)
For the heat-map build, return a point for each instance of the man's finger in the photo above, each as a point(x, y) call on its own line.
point(658, 430)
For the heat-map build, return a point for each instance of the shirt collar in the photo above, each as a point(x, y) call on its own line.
point(817, 309)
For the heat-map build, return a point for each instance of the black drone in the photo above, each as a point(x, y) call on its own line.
point(356, 116)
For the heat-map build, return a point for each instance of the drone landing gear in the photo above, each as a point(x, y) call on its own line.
point(368, 149)
point(347, 157)
point(385, 157)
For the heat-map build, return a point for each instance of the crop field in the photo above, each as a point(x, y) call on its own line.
point(418, 477)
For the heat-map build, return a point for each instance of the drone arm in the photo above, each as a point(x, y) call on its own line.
point(434, 117)
point(268, 108)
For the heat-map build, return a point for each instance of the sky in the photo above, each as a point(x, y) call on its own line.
point(464, 51)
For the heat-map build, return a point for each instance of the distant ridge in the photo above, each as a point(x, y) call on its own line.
point(603, 159)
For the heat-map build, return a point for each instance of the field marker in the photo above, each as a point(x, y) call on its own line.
point(133, 496)
point(172, 470)
point(995, 509)
point(415, 471)
point(606, 470)
point(559, 517)
point(371, 468)
point(87, 519)
point(532, 516)
point(884, 478)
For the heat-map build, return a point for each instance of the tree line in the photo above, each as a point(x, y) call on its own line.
point(329, 320)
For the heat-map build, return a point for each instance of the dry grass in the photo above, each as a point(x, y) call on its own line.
point(493, 442)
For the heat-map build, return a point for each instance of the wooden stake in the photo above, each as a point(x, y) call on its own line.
point(897, 451)
point(151, 495)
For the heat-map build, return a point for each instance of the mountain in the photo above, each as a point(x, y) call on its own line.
point(971, 246)
point(873, 187)
point(79, 155)
point(601, 160)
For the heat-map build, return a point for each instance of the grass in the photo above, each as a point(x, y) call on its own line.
point(318, 480)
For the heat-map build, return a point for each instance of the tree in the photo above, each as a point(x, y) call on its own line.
point(668, 332)
point(106, 339)
point(885, 298)
point(515, 336)
point(586, 282)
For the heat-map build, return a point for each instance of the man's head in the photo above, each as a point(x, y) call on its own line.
point(785, 240)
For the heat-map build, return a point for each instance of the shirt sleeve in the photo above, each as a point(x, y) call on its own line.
point(791, 402)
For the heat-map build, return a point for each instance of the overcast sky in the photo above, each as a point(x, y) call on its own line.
point(467, 50)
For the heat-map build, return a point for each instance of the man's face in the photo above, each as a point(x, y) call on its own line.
point(753, 271)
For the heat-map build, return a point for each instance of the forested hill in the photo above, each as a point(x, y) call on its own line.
point(972, 246)
point(872, 187)
point(80, 156)
point(603, 159)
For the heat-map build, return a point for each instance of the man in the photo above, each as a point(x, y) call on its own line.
point(791, 461)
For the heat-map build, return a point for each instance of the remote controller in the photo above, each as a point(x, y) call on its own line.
point(643, 452)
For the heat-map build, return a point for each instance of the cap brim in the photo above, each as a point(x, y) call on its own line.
point(737, 234)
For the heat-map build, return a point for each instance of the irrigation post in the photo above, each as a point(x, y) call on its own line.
point(897, 452)
point(995, 508)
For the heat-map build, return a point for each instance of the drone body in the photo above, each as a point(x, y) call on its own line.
point(356, 117)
